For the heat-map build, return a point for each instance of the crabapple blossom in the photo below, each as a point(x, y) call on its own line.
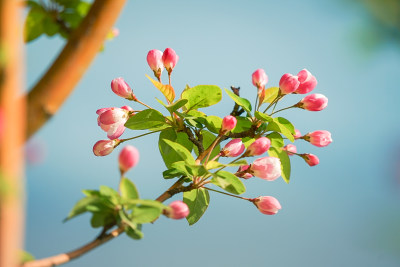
point(155, 61)
point(297, 134)
point(319, 138)
point(128, 158)
point(314, 102)
point(311, 159)
point(169, 58)
point(228, 124)
point(122, 89)
point(290, 149)
point(288, 84)
point(243, 172)
point(258, 147)
point(233, 148)
point(177, 210)
point(267, 168)
point(105, 147)
point(307, 82)
point(112, 120)
point(259, 79)
point(267, 205)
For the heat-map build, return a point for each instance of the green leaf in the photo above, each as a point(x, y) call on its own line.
point(243, 124)
point(243, 102)
point(283, 126)
point(128, 189)
point(229, 182)
point(83, 8)
point(270, 94)
point(180, 150)
point(247, 141)
point(145, 214)
point(146, 119)
point(263, 117)
point(176, 105)
point(98, 219)
point(197, 201)
point(81, 206)
point(215, 164)
point(166, 89)
point(34, 23)
point(167, 153)
point(213, 123)
point(276, 139)
point(208, 139)
point(50, 27)
point(201, 96)
point(25, 256)
point(285, 161)
point(134, 233)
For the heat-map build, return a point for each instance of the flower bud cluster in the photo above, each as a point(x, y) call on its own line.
point(157, 60)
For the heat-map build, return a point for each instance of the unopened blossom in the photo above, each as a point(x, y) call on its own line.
point(243, 172)
point(258, 147)
point(297, 134)
point(155, 61)
point(122, 89)
point(307, 82)
point(311, 159)
point(233, 148)
point(267, 205)
point(259, 79)
point(105, 147)
point(112, 120)
point(177, 210)
point(169, 58)
point(313, 102)
point(228, 124)
point(290, 149)
point(319, 138)
point(128, 158)
point(267, 168)
point(288, 84)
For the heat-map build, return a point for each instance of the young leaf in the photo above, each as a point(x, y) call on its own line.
point(243, 124)
point(283, 126)
point(215, 164)
point(176, 105)
point(263, 116)
point(25, 256)
point(81, 207)
point(208, 138)
point(128, 189)
point(145, 214)
point(180, 150)
point(213, 123)
point(243, 102)
point(270, 94)
point(285, 161)
point(34, 23)
point(197, 201)
point(166, 89)
point(201, 96)
point(134, 233)
point(228, 182)
point(276, 139)
point(168, 154)
point(98, 219)
point(146, 119)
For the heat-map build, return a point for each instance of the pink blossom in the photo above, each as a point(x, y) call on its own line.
point(243, 172)
point(311, 159)
point(233, 148)
point(267, 205)
point(314, 102)
point(228, 124)
point(155, 61)
point(104, 147)
point(177, 210)
point(128, 158)
point(297, 134)
point(258, 147)
point(307, 82)
point(288, 84)
point(267, 168)
point(112, 120)
point(169, 58)
point(122, 89)
point(290, 149)
point(259, 78)
point(319, 138)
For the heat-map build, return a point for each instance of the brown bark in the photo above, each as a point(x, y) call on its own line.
point(13, 134)
point(85, 42)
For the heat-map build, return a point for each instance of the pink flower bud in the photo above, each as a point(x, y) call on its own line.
point(311, 159)
point(178, 210)
point(169, 58)
point(288, 83)
point(297, 134)
point(258, 147)
point(233, 148)
point(155, 61)
point(112, 120)
point(121, 88)
point(267, 205)
point(104, 147)
point(319, 138)
point(243, 172)
point(314, 102)
point(267, 168)
point(128, 158)
point(228, 124)
point(307, 82)
point(128, 108)
point(259, 79)
point(290, 149)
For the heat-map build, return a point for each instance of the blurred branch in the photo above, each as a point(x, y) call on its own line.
point(47, 96)
point(12, 135)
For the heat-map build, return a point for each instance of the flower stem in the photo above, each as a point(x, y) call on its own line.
point(123, 140)
point(282, 110)
point(245, 198)
point(140, 102)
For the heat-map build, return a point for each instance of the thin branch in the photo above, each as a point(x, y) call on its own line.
point(196, 142)
point(85, 42)
point(236, 112)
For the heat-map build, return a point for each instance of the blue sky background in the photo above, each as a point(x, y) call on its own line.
point(343, 212)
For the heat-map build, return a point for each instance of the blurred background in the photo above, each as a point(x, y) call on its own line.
point(343, 212)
